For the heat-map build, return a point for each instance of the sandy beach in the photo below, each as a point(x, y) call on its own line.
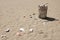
point(16, 14)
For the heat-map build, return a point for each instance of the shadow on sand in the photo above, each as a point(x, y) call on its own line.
point(49, 19)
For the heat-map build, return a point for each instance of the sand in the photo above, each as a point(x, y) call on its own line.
point(16, 14)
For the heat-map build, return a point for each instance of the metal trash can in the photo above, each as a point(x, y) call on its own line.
point(43, 10)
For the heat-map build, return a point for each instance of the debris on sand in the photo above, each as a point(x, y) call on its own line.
point(33, 13)
point(41, 32)
point(30, 17)
point(7, 30)
point(30, 30)
point(22, 30)
point(24, 16)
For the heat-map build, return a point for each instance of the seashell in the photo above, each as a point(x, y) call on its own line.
point(7, 30)
point(21, 30)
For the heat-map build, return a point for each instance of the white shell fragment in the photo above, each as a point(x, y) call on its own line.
point(21, 29)
point(30, 30)
point(7, 30)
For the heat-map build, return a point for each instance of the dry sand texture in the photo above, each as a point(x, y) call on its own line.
point(16, 14)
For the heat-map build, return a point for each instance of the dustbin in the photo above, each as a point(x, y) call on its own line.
point(43, 10)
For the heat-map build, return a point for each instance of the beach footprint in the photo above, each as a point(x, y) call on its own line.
point(4, 37)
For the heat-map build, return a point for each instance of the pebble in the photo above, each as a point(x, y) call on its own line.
point(30, 30)
point(33, 13)
point(24, 16)
point(7, 30)
point(30, 17)
point(22, 30)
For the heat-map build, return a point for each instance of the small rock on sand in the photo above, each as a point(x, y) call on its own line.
point(7, 30)
point(33, 13)
point(30, 30)
point(21, 29)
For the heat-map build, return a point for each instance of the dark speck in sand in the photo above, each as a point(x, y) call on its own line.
point(41, 32)
point(30, 17)
point(33, 13)
point(45, 36)
point(36, 19)
point(24, 16)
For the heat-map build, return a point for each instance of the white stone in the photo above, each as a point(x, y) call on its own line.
point(7, 30)
point(21, 29)
point(30, 30)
